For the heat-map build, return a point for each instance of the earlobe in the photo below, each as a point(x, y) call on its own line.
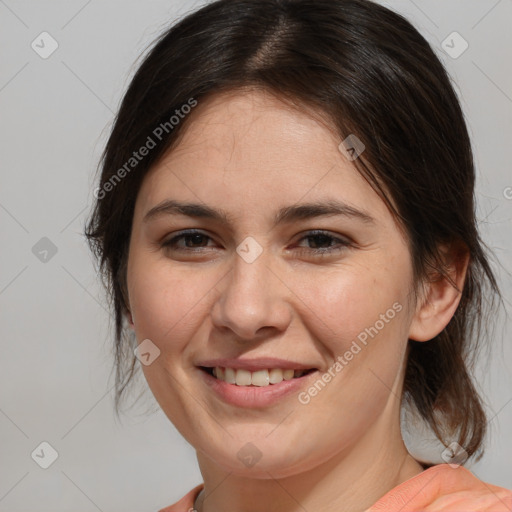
point(130, 319)
point(440, 298)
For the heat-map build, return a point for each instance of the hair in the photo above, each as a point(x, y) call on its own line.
point(370, 73)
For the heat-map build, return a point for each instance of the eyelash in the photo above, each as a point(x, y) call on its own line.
point(171, 243)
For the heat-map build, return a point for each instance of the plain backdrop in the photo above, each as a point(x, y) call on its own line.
point(55, 366)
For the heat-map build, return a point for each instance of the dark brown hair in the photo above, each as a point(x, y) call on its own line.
point(372, 74)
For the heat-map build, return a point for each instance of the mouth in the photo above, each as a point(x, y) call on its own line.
point(259, 378)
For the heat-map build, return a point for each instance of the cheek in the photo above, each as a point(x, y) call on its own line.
point(360, 315)
point(165, 300)
point(348, 302)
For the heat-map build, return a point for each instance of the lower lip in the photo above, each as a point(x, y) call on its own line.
point(255, 396)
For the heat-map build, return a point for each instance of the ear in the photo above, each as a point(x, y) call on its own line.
point(130, 319)
point(126, 305)
point(440, 298)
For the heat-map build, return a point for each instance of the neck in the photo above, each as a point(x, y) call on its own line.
point(349, 481)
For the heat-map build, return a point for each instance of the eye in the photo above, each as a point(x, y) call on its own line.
point(325, 239)
point(323, 242)
point(193, 240)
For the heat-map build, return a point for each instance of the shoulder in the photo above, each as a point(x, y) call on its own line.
point(186, 504)
point(445, 488)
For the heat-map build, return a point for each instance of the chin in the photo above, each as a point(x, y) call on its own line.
point(260, 459)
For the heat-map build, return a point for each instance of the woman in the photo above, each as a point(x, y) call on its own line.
point(285, 221)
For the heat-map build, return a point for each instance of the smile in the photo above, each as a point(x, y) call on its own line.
point(260, 388)
point(259, 378)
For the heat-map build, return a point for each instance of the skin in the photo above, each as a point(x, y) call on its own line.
point(250, 154)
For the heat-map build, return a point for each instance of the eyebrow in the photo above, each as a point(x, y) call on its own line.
point(285, 215)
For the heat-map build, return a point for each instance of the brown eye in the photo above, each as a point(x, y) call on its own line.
point(193, 240)
point(324, 243)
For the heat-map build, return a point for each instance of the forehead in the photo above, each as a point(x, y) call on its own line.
point(253, 126)
point(252, 150)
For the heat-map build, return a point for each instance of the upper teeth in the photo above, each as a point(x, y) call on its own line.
point(259, 378)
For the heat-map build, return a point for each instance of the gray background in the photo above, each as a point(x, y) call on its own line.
point(55, 380)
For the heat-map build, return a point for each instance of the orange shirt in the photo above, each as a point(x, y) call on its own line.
point(440, 488)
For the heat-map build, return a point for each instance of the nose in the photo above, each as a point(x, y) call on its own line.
point(253, 300)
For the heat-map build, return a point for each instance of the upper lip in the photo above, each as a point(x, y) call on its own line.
point(252, 365)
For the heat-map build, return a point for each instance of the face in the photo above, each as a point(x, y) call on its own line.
point(292, 263)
